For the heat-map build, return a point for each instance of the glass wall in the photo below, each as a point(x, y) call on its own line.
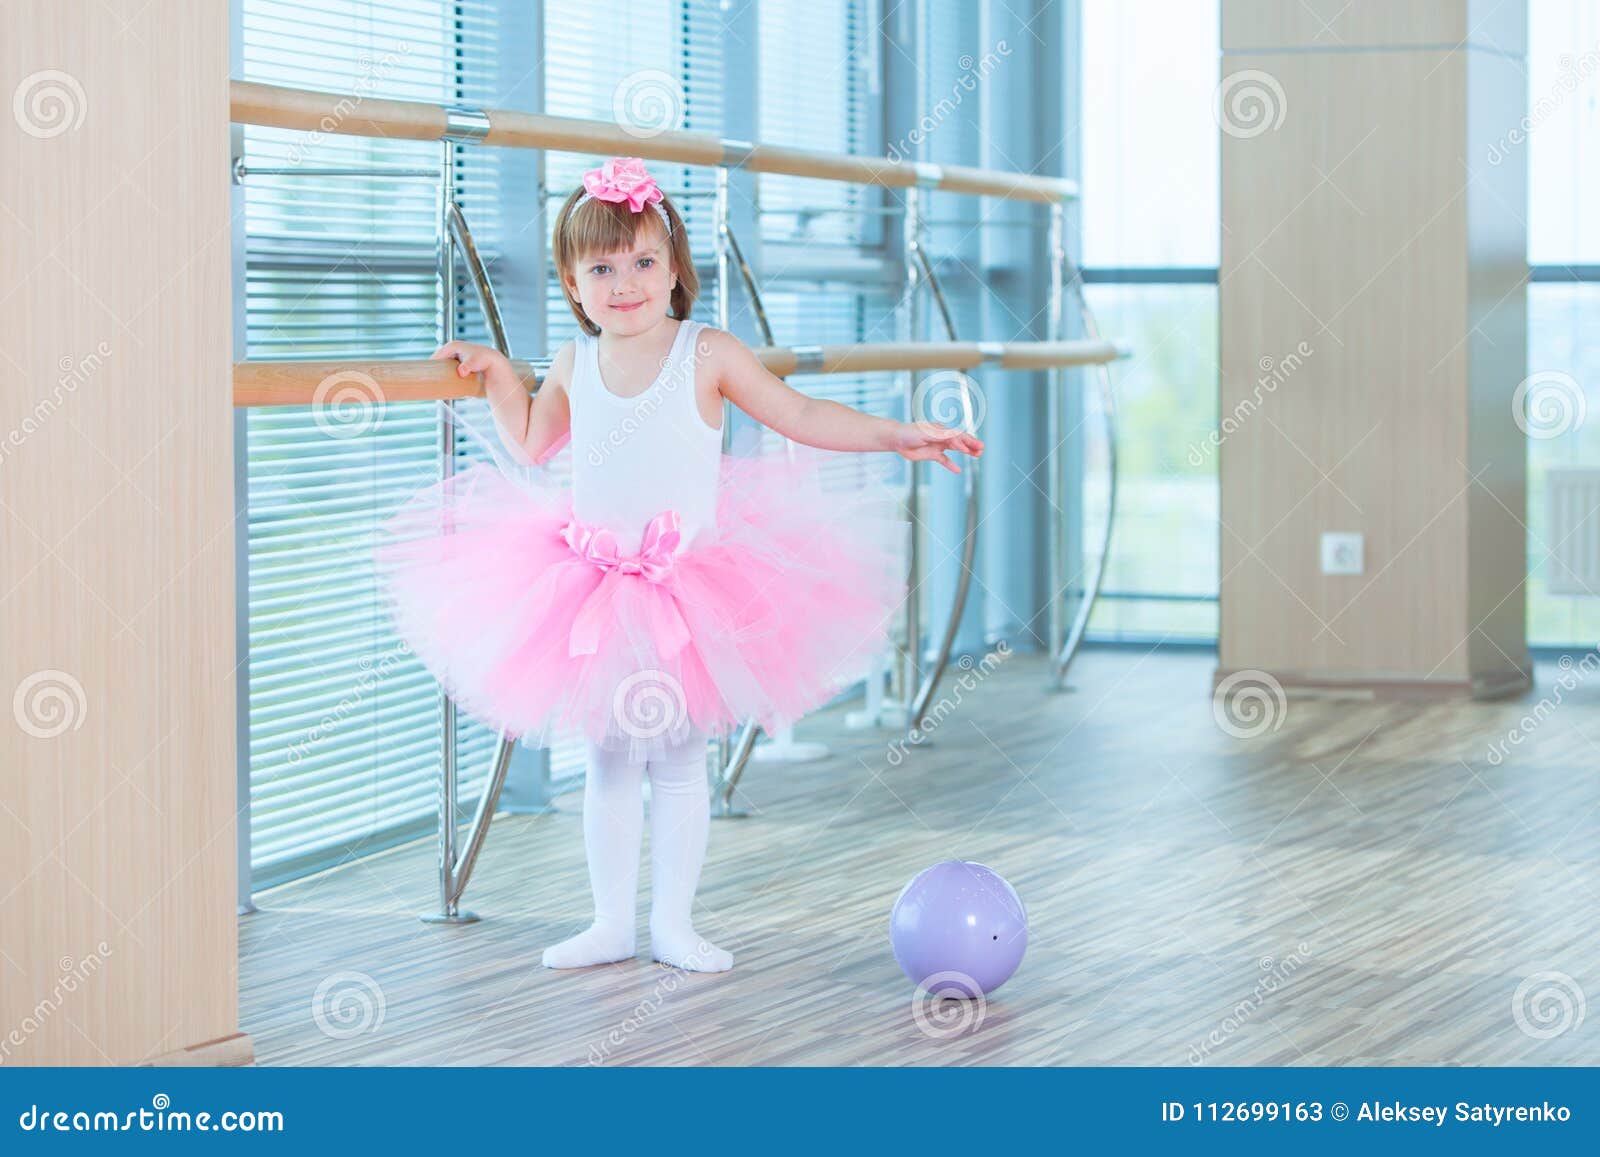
point(1150, 247)
point(344, 727)
point(1150, 252)
point(1563, 155)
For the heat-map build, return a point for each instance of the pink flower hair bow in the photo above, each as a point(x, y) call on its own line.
point(653, 564)
point(623, 180)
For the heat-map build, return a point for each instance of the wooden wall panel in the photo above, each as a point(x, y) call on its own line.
point(117, 926)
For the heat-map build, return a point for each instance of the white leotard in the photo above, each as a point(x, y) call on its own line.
point(634, 457)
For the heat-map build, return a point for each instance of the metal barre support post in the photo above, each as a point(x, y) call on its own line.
point(1063, 651)
point(1055, 542)
point(455, 867)
point(732, 756)
point(1061, 660)
point(972, 475)
point(907, 670)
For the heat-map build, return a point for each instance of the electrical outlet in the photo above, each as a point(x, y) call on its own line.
point(1343, 553)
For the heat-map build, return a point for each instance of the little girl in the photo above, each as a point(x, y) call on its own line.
point(673, 591)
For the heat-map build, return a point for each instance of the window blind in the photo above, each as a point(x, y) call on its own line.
point(345, 728)
point(817, 81)
point(818, 64)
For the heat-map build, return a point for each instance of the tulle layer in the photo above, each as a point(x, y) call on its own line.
point(762, 617)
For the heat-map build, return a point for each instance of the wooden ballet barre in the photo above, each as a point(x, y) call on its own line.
point(299, 383)
point(885, 357)
point(294, 383)
point(329, 112)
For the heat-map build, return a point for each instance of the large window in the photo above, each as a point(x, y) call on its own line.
point(805, 224)
point(1150, 246)
point(1150, 254)
point(340, 263)
point(1563, 154)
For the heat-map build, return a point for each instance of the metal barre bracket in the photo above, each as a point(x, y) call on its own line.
point(808, 359)
point(465, 124)
point(736, 152)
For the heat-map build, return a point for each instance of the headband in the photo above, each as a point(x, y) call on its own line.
point(623, 180)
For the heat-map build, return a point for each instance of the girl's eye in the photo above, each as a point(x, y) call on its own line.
point(647, 261)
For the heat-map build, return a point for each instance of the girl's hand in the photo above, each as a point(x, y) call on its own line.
point(472, 359)
point(928, 441)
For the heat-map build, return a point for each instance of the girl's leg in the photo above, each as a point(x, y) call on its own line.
point(680, 820)
point(613, 824)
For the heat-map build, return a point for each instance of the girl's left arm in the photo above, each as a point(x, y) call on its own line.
point(819, 422)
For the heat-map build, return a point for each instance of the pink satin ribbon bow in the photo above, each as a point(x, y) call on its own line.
point(653, 563)
point(623, 180)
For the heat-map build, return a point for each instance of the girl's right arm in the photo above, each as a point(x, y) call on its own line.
point(532, 426)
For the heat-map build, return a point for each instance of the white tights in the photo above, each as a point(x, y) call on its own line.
point(613, 827)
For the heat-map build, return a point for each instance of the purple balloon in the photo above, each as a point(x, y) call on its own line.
point(958, 929)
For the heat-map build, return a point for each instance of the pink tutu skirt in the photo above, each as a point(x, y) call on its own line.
point(537, 626)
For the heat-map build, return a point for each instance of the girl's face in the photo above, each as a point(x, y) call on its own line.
point(627, 292)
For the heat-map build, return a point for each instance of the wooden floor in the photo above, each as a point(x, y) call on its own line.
point(1367, 883)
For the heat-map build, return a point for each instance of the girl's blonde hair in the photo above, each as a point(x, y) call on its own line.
point(597, 226)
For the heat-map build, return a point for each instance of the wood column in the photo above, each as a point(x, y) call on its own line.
point(117, 797)
point(1372, 336)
